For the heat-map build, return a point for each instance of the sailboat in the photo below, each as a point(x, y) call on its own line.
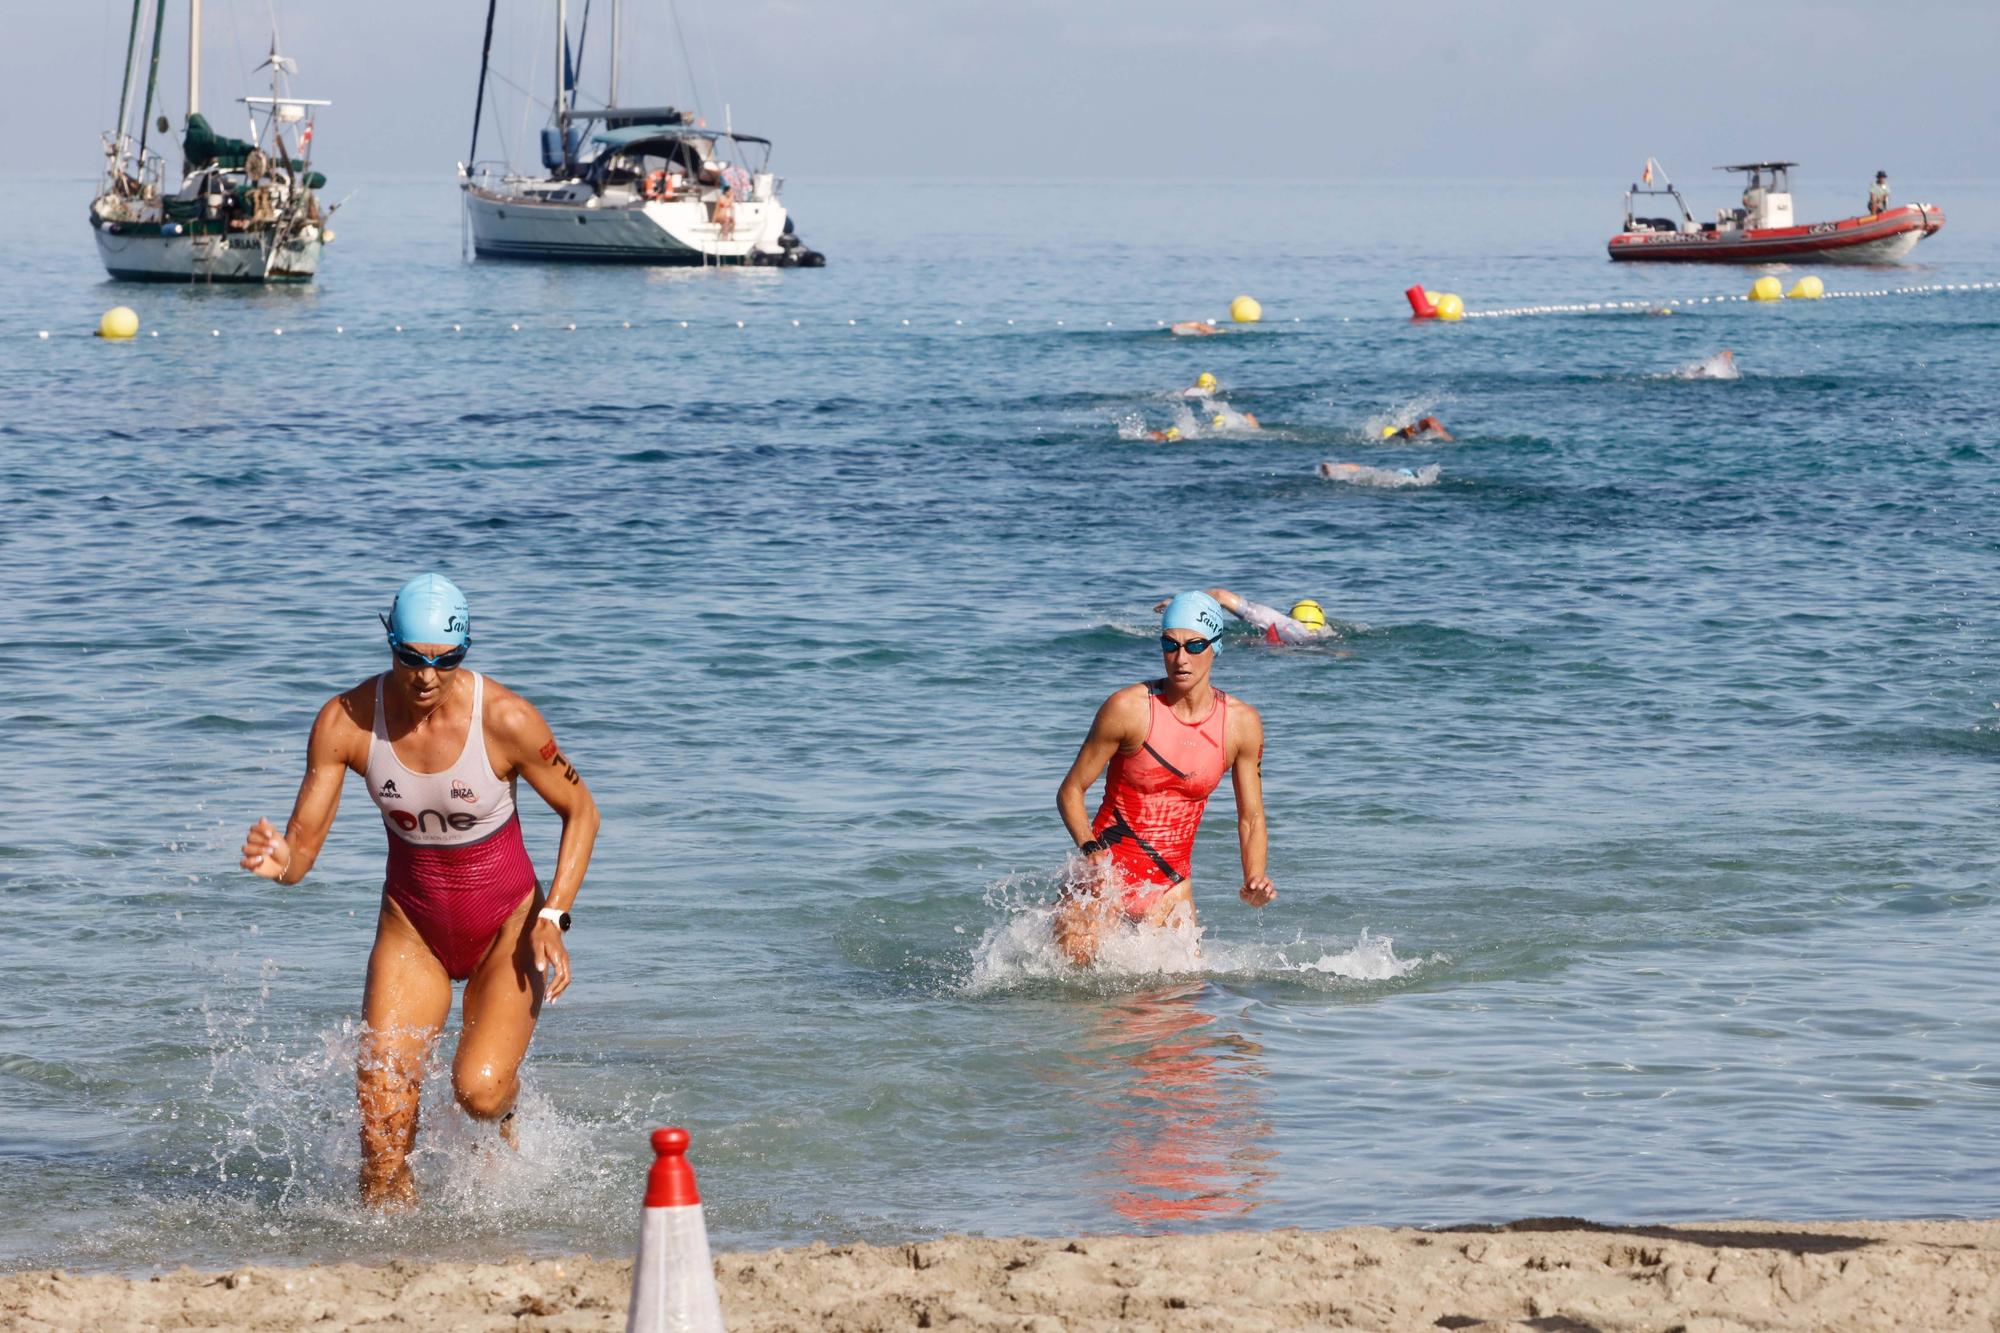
point(245, 210)
point(627, 184)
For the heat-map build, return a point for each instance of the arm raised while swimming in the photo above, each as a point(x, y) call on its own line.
point(1120, 724)
point(330, 752)
point(1246, 768)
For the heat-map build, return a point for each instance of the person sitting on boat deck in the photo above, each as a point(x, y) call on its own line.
point(1304, 623)
point(1423, 428)
point(1878, 193)
point(1203, 386)
point(725, 213)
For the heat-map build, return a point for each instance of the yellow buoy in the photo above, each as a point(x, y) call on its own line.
point(1449, 306)
point(119, 322)
point(1432, 297)
point(1245, 310)
point(1766, 288)
point(1808, 288)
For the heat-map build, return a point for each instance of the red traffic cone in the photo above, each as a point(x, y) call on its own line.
point(673, 1278)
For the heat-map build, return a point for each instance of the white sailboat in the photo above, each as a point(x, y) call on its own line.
point(245, 210)
point(628, 184)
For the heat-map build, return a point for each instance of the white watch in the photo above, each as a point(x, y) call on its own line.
point(561, 918)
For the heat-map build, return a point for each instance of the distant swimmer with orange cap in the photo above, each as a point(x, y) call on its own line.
point(441, 750)
point(1423, 428)
point(1167, 743)
point(1304, 623)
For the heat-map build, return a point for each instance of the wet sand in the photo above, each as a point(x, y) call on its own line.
point(1560, 1274)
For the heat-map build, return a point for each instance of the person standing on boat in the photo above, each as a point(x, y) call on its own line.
point(441, 751)
point(1878, 193)
point(1168, 742)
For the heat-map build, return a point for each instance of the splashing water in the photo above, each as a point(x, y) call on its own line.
point(1360, 474)
point(1721, 366)
point(1019, 951)
point(1403, 414)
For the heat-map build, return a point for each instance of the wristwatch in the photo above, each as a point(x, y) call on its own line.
point(1090, 848)
point(561, 918)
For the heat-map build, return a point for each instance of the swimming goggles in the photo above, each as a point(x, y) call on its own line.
point(416, 661)
point(1193, 647)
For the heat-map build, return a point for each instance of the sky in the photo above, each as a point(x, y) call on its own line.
point(1207, 92)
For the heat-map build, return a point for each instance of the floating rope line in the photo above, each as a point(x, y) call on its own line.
point(975, 324)
point(1682, 303)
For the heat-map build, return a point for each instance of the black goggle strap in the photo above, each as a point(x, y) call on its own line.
point(1118, 831)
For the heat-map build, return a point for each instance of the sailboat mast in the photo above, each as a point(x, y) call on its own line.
point(562, 64)
point(194, 58)
point(615, 7)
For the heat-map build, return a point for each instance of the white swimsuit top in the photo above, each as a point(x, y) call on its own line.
point(464, 804)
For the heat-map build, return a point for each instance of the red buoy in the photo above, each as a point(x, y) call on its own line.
point(1420, 305)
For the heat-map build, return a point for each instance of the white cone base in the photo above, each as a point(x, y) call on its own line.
point(673, 1278)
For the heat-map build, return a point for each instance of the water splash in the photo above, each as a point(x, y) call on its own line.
point(1407, 413)
point(1018, 951)
point(1721, 366)
point(1360, 474)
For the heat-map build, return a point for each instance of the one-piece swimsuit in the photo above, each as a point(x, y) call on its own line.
point(457, 865)
point(1155, 796)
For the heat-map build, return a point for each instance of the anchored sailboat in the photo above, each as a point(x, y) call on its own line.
point(246, 210)
point(627, 184)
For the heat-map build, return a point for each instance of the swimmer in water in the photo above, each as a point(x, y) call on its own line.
point(1194, 328)
point(440, 750)
point(1170, 434)
point(1423, 428)
point(1203, 387)
point(1168, 743)
point(1244, 421)
point(1304, 623)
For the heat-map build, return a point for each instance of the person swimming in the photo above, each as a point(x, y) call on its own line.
point(1204, 386)
point(441, 750)
point(1235, 421)
point(1304, 623)
point(1167, 743)
point(1170, 435)
point(1194, 328)
point(1423, 428)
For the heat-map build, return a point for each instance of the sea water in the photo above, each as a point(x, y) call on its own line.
point(1634, 834)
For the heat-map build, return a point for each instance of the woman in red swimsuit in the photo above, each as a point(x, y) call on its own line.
point(440, 750)
point(1168, 743)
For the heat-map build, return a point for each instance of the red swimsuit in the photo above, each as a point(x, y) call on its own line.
point(457, 865)
point(1154, 797)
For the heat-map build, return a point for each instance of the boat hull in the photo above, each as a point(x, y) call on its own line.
point(673, 232)
point(1879, 238)
point(151, 252)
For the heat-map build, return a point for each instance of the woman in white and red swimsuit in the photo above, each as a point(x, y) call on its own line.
point(441, 750)
point(1168, 742)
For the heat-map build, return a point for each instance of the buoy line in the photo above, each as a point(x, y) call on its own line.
point(121, 324)
point(1682, 303)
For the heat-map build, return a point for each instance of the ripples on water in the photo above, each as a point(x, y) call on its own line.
point(1633, 837)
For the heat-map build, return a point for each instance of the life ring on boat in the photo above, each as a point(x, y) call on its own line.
point(659, 185)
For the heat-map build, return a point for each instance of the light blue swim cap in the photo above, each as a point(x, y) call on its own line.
point(430, 609)
point(1196, 611)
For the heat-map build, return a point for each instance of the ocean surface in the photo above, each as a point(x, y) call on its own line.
point(1634, 839)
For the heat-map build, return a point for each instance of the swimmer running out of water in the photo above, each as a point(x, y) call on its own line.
point(1167, 742)
point(1304, 623)
point(440, 750)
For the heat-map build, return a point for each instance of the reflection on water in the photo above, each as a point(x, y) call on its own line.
point(1182, 1094)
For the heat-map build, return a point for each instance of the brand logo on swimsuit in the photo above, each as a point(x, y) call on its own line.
point(420, 822)
point(389, 790)
point(463, 792)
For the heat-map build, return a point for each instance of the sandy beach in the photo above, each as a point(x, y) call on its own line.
point(1547, 1274)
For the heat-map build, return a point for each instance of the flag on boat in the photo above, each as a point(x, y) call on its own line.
point(306, 137)
point(1647, 177)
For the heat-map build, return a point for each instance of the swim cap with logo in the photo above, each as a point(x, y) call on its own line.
point(1308, 613)
point(1195, 611)
point(430, 609)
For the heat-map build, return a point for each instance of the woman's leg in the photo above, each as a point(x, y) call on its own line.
point(407, 998)
point(502, 1000)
